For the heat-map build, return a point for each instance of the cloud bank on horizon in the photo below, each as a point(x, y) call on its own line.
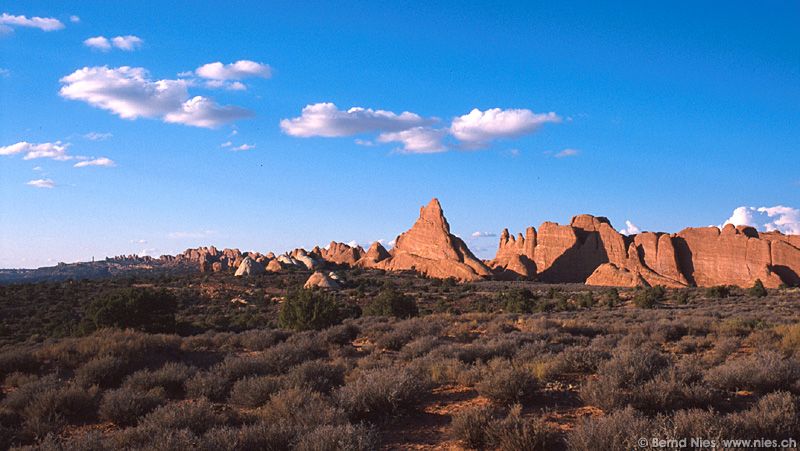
point(778, 218)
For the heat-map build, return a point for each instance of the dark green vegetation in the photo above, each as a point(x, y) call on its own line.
point(392, 360)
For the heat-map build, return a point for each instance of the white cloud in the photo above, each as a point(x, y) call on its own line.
point(226, 144)
point(417, 139)
point(129, 93)
point(127, 42)
point(74, 19)
point(4, 72)
point(567, 153)
point(197, 234)
point(352, 243)
point(42, 23)
point(102, 161)
point(325, 119)
point(778, 218)
point(148, 252)
point(142, 241)
point(230, 86)
point(478, 128)
point(37, 168)
point(244, 147)
point(236, 71)
point(480, 234)
point(97, 136)
point(41, 183)
point(98, 42)
point(55, 150)
point(630, 229)
point(364, 142)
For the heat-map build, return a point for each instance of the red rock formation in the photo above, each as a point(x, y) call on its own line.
point(513, 258)
point(429, 248)
point(611, 275)
point(342, 254)
point(375, 254)
point(710, 256)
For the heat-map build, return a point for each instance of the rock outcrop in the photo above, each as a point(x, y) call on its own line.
point(374, 255)
point(274, 266)
point(321, 280)
point(249, 267)
point(342, 254)
point(590, 250)
point(429, 248)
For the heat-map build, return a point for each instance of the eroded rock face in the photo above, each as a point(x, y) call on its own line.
point(429, 248)
point(710, 256)
point(611, 275)
point(374, 255)
point(513, 259)
point(249, 267)
point(274, 266)
point(342, 254)
point(321, 280)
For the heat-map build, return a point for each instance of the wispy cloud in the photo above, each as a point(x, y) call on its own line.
point(326, 120)
point(566, 153)
point(42, 183)
point(244, 147)
point(42, 23)
point(102, 161)
point(480, 234)
point(130, 93)
point(127, 43)
point(74, 19)
point(96, 136)
point(227, 76)
point(54, 150)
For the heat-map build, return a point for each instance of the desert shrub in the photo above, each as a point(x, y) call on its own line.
point(681, 297)
point(52, 409)
point(309, 309)
point(18, 359)
point(144, 309)
point(157, 438)
point(585, 299)
point(255, 391)
point(757, 290)
point(171, 377)
point(318, 376)
point(419, 347)
point(504, 383)
point(300, 411)
point(776, 416)
point(519, 300)
point(610, 297)
point(105, 371)
point(693, 423)
point(210, 385)
point(125, 406)
point(390, 302)
point(762, 372)
point(339, 437)
point(261, 339)
point(260, 436)
point(579, 360)
point(197, 416)
point(675, 388)
point(627, 368)
point(618, 431)
point(470, 426)
point(514, 432)
point(718, 292)
point(790, 338)
point(739, 327)
point(380, 392)
point(342, 334)
point(649, 297)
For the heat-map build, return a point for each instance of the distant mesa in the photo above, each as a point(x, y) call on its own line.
point(587, 250)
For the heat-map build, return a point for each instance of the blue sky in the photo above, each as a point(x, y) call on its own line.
point(663, 114)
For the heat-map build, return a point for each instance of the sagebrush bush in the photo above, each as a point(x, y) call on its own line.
point(381, 392)
point(52, 409)
point(776, 416)
point(104, 371)
point(197, 416)
point(339, 437)
point(125, 406)
point(317, 376)
point(208, 384)
point(762, 372)
point(505, 383)
point(618, 431)
point(470, 426)
point(628, 368)
point(515, 432)
point(171, 377)
point(255, 391)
